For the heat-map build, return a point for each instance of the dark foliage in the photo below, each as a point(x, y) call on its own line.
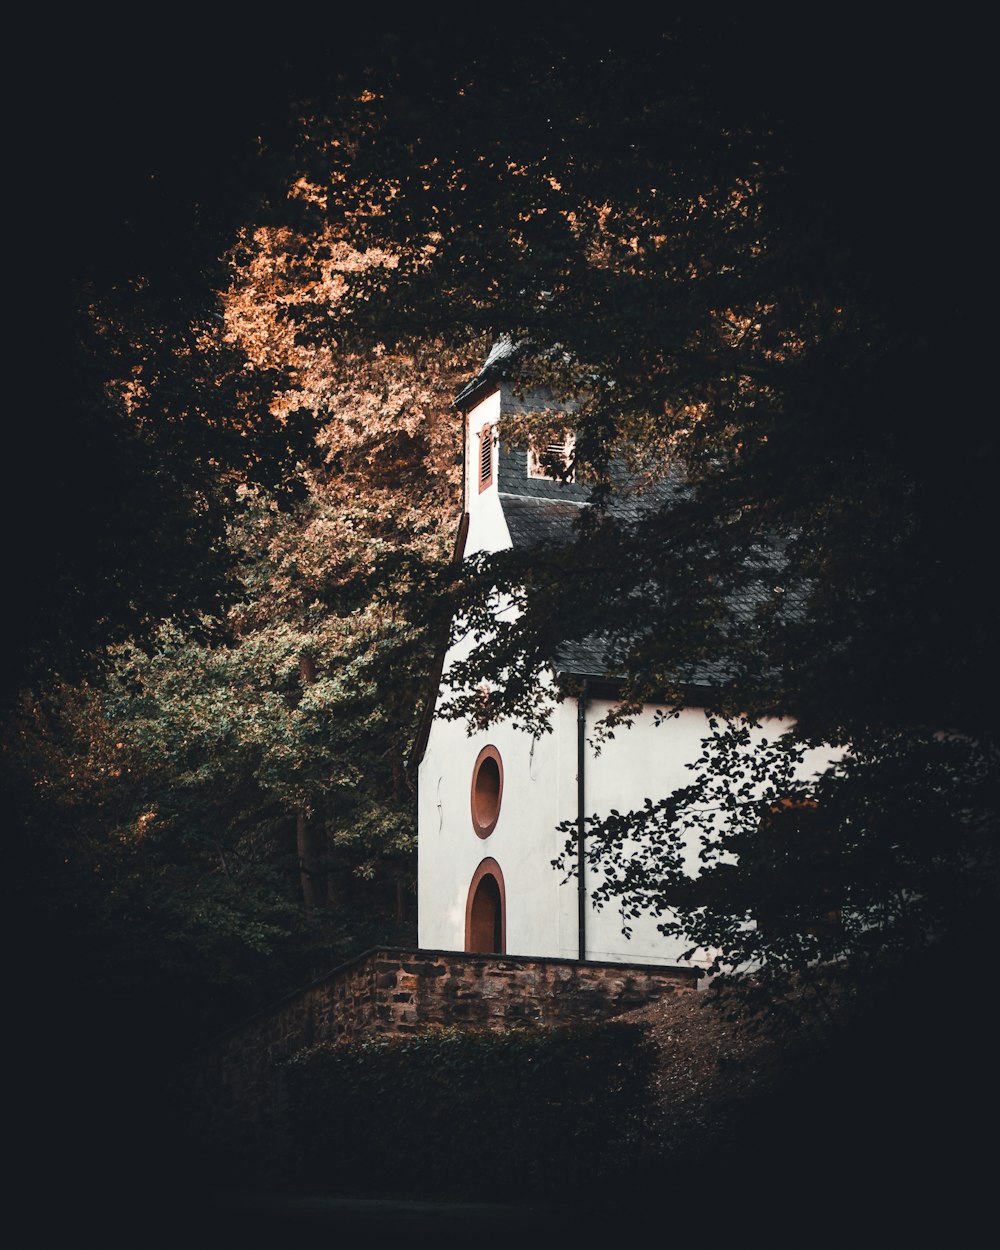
point(866, 449)
point(471, 1114)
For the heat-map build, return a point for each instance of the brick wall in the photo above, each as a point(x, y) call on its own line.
point(232, 1093)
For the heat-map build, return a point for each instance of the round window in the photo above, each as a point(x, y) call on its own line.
point(487, 791)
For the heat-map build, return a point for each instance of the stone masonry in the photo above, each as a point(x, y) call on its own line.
point(233, 1086)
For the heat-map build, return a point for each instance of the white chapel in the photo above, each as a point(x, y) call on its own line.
point(490, 802)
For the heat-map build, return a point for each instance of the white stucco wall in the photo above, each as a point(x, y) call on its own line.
point(487, 527)
point(540, 792)
point(646, 760)
point(523, 842)
point(649, 759)
point(643, 761)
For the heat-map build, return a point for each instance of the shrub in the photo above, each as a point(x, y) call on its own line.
point(469, 1112)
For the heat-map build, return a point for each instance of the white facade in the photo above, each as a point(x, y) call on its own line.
point(487, 527)
point(539, 793)
point(541, 914)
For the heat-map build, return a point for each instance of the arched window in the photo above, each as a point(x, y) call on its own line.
point(487, 791)
point(486, 911)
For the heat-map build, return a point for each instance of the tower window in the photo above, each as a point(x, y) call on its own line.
point(486, 457)
point(553, 460)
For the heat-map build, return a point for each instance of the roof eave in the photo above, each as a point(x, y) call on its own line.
point(605, 686)
point(476, 390)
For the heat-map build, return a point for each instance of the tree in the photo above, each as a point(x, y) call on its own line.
point(745, 247)
point(233, 526)
point(738, 282)
point(135, 423)
point(219, 768)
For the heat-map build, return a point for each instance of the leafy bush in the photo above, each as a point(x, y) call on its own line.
point(526, 1112)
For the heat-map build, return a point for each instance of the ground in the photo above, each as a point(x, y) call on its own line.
point(884, 1113)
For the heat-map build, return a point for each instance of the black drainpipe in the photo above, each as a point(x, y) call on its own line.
point(581, 745)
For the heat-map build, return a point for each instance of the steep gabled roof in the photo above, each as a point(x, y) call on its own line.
point(497, 365)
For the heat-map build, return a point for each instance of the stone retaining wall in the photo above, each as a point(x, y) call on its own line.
point(232, 1089)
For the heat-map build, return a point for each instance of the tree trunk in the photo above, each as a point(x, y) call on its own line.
point(313, 894)
point(400, 900)
point(332, 890)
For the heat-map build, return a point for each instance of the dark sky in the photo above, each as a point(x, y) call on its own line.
point(127, 130)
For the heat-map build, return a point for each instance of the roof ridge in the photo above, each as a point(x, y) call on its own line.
point(577, 503)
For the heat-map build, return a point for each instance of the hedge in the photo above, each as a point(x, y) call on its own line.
point(481, 1114)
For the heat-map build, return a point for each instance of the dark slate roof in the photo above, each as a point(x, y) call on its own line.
point(538, 510)
point(587, 659)
point(497, 364)
point(584, 658)
point(543, 510)
point(532, 520)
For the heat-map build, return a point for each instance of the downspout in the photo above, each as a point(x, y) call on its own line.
point(581, 755)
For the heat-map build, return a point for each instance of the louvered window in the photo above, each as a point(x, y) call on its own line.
point(486, 457)
point(553, 460)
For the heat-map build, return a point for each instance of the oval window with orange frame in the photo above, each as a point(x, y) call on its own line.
point(487, 791)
